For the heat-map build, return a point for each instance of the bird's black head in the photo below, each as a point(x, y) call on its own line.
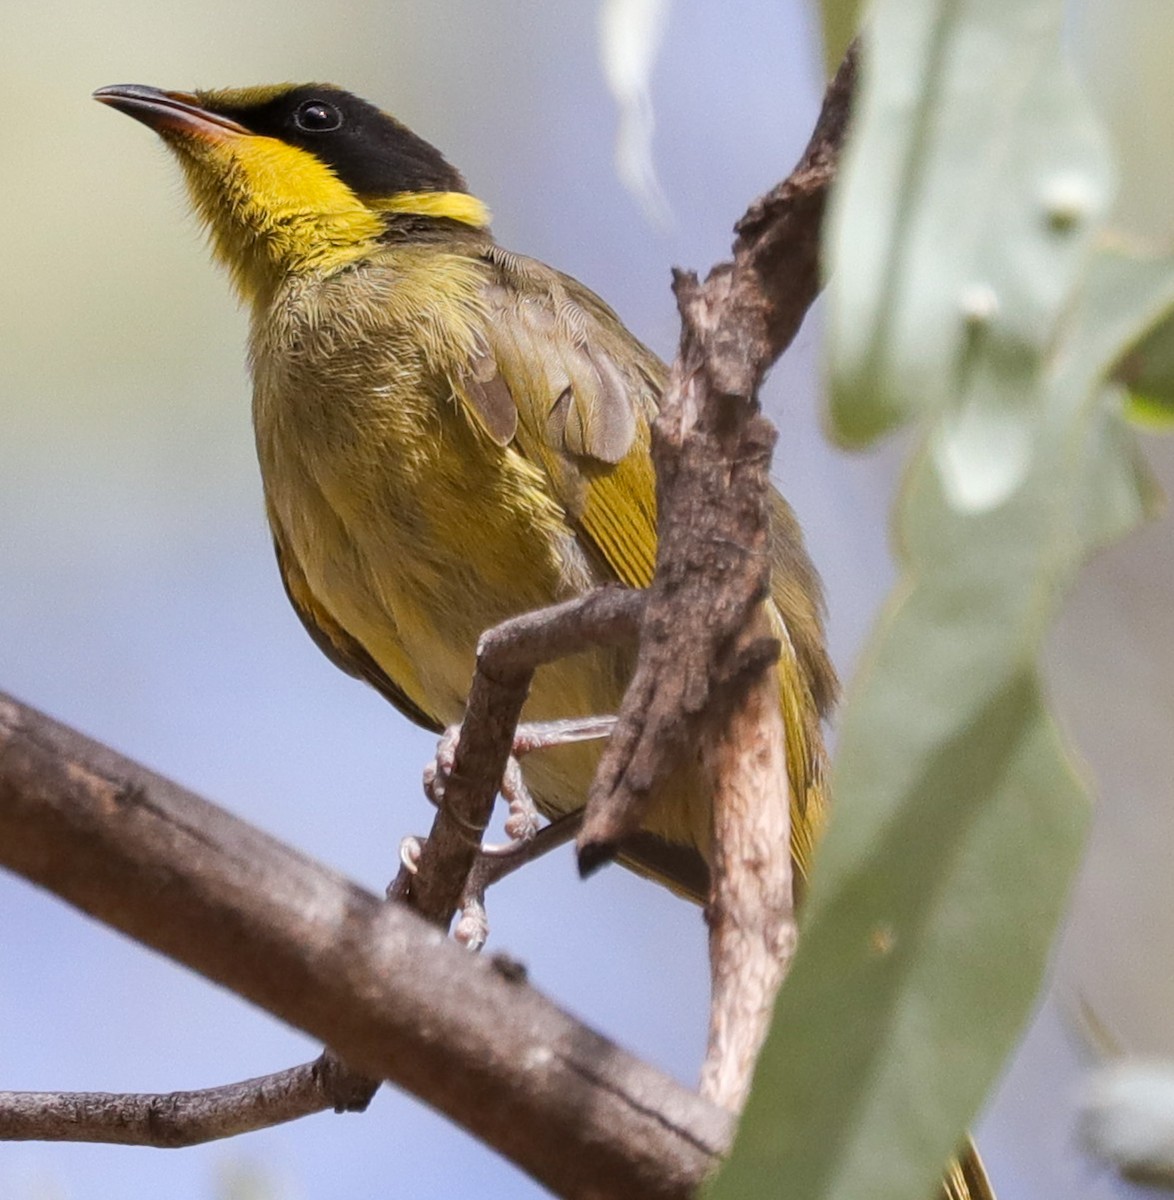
point(302, 178)
point(371, 152)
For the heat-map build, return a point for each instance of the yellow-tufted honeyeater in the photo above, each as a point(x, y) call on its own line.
point(450, 434)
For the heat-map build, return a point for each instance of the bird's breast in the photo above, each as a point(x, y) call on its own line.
point(410, 524)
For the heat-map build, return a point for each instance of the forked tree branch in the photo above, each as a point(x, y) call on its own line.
point(399, 1001)
point(712, 449)
point(705, 648)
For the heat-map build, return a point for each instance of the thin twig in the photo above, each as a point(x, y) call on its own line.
point(173, 1119)
point(492, 868)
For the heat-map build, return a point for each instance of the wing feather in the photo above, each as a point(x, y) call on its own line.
point(585, 393)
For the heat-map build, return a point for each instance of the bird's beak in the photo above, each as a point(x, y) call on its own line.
point(169, 112)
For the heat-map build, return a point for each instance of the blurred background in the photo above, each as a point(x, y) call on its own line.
point(139, 600)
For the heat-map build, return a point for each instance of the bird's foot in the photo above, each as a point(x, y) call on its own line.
point(472, 927)
point(492, 863)
point(437, 772)
point(522, 821)
point(528, 840)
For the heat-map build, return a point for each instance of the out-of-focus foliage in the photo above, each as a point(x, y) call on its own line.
point(970, 295)
point(1147, 370)
point(1124, 51)
point(841, 19)
point(1127, 1119)
point(241, 1179)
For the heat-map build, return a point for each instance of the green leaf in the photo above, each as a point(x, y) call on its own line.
point(1151, 410)
point(974, 180)
point(1147, 370)
point(841, 20)
point(974, 293)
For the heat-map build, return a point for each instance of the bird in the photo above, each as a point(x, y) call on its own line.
point(451, 433)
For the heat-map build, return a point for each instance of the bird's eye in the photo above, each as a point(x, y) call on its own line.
point(316, 116)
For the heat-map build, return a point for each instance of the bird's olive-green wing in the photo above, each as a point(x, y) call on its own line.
point(808, 687)
point(333, 640)
point(585, 392)
point(566, 382)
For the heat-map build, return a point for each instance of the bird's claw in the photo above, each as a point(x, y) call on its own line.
point(522, 822)
point(410, 849)
point(436, 773)
point(472, 929)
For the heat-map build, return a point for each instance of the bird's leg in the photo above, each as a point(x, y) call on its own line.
point(539, 735)
point(522, 823)
point(528, 841)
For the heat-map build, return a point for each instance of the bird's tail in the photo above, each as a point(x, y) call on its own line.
point(966, 1177)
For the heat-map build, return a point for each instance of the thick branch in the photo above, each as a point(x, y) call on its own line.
point(388, 991)
point(752, 931)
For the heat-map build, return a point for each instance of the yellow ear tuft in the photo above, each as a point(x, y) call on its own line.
point(456, 206)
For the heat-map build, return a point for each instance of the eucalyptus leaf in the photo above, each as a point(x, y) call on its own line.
point(1147, 370)
point(972, 292)
point(970, 191)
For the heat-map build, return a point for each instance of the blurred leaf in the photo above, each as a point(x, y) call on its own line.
point(630, 36)
point(1152, 410)
point(1147, 370)
point(243, 1179)
point(971, 187)
point(1127, 1118)
point(841, 20)
point(968, 292)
